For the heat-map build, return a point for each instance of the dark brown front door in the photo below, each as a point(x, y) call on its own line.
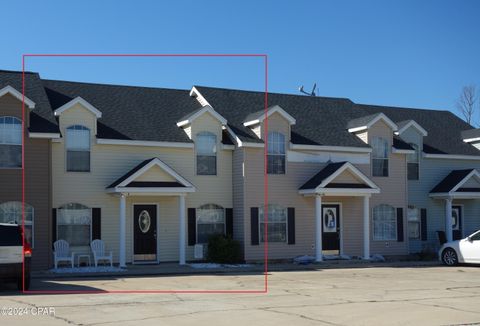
point(145, 232)
point(457, 222)
point(331, 227)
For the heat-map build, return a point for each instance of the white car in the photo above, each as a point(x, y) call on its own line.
point(461, 251)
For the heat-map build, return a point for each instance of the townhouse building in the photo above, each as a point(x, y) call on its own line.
point(154, 172)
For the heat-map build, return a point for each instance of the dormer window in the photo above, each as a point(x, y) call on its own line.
point(413, 163)
point(206, 145)
point(276, 153)
point(379, 157)
point(10, 142)
point(78, 148)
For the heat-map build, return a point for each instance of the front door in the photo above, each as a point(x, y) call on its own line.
point(145, 232)
point(331, 227)
point(457, 222)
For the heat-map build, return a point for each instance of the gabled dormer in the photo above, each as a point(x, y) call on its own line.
point(78, 126)
point(472, 137)
point(376, 130)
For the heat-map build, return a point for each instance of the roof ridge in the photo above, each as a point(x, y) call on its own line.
point(399, 108)
point(113, 85)
point(276, 93)
point(18, 71)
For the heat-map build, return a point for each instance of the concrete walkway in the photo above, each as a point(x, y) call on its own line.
point(176, 269)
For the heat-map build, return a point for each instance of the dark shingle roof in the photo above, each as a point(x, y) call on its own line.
point(362, 121)
point(450, 181)
point(137, 113)
point(471, 133)
point(143, 113)
point(41, 117)
point(322, 175)
point(443, 127)
point(400, 144)
point(319, 120)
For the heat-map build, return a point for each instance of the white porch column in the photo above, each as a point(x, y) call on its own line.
point(122, 230)
point(318, 228)
point(448, 219)
point(181, 236)
point(366, 227)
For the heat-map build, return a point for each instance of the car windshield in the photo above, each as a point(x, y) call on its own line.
point(475, 236)
point(10, 236)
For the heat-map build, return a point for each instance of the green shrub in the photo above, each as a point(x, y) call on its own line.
point(223, 250)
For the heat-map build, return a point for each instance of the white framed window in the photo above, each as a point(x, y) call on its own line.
point(210, 221)
point(276, 153)
point(413, 216)
point(74, 224)
point(10, 142)
point(206, 145)
point(78, 149)
point(384, 222)
point(379, 157)
point(11, 212)
point(413, 162)
point(277, 223)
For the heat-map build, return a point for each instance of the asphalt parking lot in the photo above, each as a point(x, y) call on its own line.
point(433, 295)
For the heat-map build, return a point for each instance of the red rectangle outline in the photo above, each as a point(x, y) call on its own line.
point(265, 289)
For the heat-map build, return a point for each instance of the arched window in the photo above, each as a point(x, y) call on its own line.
point(384, 222)
point(276, 153)
point(78, 149)
point(74, 224)
point(11, 212)
point(10, 142)
point(210, 221)
point(413, 161)
point(206, 145)
point(379, 157)
point(277, 223)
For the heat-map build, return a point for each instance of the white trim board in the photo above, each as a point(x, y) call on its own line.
point(378, 117)
point(274, 109)
point(203, 110)
point(414, 124)
point(149, 143)
point(452, 157)
point(81, 101)
point(331, 148)
point(19, 96)
point(52, 135)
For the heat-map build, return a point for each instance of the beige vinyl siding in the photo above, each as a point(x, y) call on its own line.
point(346, 177)
point(276, 122)
point(393, 191)
point(238, 195)
point(363, 136)
point(109, 162)
point(283, 190)
point(37, 183)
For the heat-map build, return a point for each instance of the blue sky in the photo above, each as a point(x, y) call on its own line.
point(402, 53)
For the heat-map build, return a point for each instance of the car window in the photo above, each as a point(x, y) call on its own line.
point(475, 237)
point(10, 236)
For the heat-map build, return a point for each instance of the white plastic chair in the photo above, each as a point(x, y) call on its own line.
point(98, 250)
point(61, 252)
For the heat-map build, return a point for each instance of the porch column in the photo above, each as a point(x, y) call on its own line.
point(181, 237)
point(448, 219)
point(122, 230)
point(318, 228)
point(366, 227)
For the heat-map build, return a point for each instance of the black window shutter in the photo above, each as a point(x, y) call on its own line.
point(400, 224)
point(291, 225)
point(254, 226)
point(423, 224)
point(192, 226)
point(96, 223)
point(229, 222)
point(54, 225)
